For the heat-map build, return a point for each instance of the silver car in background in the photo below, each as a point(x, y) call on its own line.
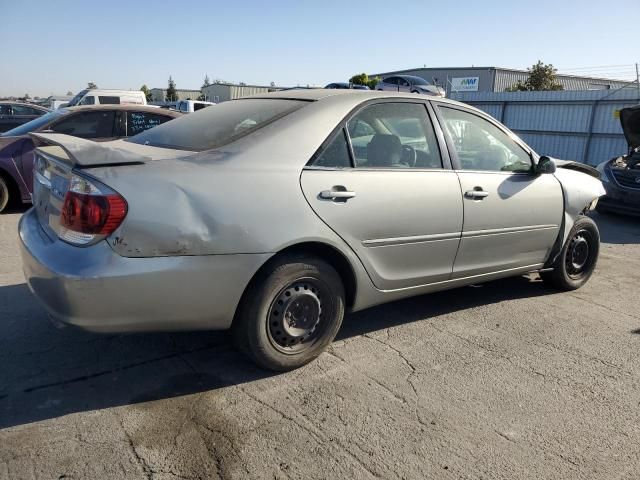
point(410, 84)
point(274, 215)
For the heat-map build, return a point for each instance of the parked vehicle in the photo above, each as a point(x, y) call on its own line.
point(273, 215)
point(100, 96)
point(410, 84)
point(98, 123)
point(190, 106)
point(14, 114)
point(621, 175)
point(346, 86)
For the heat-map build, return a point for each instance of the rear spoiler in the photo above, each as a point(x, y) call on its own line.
point(580, 167)
point(82, 153)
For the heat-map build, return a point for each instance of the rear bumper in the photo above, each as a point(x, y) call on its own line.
point(98, 290)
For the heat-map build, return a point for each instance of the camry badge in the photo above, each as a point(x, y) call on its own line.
point(637, 179)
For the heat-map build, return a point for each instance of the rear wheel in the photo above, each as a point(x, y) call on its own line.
point(4, 194)
point(290, 313)
point(577, 260)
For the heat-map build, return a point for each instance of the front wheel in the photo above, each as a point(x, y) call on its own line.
point(290, 313)
point(577, 260)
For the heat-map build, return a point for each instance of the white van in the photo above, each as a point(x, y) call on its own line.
point(98, 96)
point(190, 106)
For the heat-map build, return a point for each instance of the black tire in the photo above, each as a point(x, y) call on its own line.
point(290, 312)
point(4, 194)
point(577, 260)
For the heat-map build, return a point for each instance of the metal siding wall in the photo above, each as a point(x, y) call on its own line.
point(239, 91)
point(605, 121)
point(507, 78)
point(218, 92)
point(557, 123)
point(605, 148)
point(493, 109)
point(559, 146)
point(557, 118)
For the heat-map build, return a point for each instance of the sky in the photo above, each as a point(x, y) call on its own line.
point(51, 47)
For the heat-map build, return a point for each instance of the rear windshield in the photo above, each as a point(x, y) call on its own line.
point(216, 126)
point(35, 124)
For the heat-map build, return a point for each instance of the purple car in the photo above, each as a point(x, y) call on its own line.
point(95, 122)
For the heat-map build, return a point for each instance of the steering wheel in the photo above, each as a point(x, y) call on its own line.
point(409, 156)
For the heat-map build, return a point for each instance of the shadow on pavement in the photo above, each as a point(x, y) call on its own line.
point(46, 372)
point(22, 208)
point(617, 229)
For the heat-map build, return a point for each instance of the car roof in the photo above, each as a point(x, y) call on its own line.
point(126, 107)
point(351, 96)
point(26, 104)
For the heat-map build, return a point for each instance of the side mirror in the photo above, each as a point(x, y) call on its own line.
point(545, 165)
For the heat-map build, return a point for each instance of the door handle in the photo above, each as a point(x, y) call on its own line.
point(338, 194)
point(476, 194)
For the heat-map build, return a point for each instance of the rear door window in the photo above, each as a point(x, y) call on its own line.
point(394, 135)
point(87, 124)
point(335, 154)
point(138, 122)
point(109, 100)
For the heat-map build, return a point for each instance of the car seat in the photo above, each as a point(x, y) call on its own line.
point(384, 151)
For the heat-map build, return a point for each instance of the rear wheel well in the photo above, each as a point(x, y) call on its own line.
point(15, 197)
point(320, 250)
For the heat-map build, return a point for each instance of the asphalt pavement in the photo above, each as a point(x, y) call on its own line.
point(506, 380)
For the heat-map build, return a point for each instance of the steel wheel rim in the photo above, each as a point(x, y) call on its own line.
point(4, 195)
point(298, 315)
point(579, 256)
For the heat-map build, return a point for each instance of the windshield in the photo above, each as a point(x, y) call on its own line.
point(35, 124)
point(76, 100)
point(213, 127)
point(417, 80)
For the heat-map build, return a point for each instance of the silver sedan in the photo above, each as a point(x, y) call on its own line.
point(274, 215)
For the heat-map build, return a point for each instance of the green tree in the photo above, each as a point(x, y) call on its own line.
point(91, 85)
point(172, 93)
point(542, 77)
point(363, 79)
point(147, 92)
point(70, 93)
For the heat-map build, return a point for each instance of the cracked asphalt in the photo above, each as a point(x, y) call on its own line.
point(507, 380)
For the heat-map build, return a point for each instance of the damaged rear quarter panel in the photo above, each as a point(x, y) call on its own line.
point(216, 202)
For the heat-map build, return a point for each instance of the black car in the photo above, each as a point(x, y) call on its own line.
point(14, 114)
point(621, 175)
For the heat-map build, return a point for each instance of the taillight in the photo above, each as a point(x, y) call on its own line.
point(90, 212)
